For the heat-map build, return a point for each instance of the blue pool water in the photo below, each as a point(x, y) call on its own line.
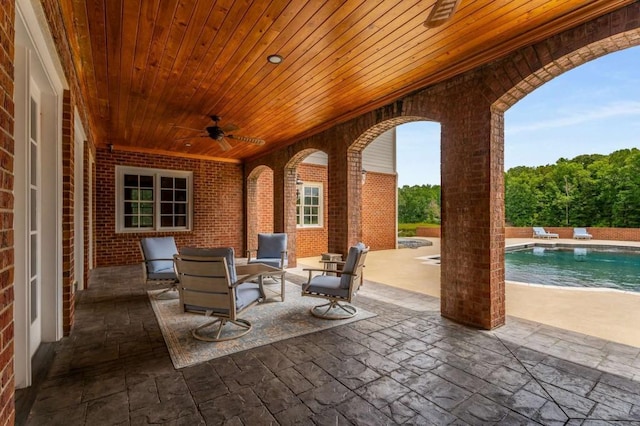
point(583, 267)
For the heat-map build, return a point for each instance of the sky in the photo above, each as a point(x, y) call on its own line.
point(591, 109)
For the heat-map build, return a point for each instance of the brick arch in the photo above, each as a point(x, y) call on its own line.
point(304, 242)
point(538, 73)
point(376, 130)
point(259, 218)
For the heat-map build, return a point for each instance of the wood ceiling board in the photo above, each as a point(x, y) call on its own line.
point(178, 61)
point(204, 95)
point(265, 21)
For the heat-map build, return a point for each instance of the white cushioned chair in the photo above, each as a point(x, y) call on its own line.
point(208, 285)
point(340, 288)
point(272, 250)
point(157, 260)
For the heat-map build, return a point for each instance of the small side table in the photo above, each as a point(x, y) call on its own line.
point(330, 261)
point(260, 271)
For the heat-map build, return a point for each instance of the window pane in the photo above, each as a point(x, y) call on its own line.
point(146, 221)
point(146, 181)
point(166, 221)
point(181, 221)
point(34, 209)
point(180, 209)
point(131, 194)
point(314, 201)
point(166, 182)
point(131, 180)
point(315, 191)
point(181, 195)
point(34, 255)
point(34, 164)
point(166, 208)
point(166, 195)
point(180, 183)
point(130, 208)
point(146, 209)
point(131, 221)
point(146, 194)
point(34, 120)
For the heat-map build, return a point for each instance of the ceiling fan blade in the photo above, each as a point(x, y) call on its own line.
point(254, 141)
point(230, 128)
point(187, 128)
point(223, 144)
point(191, 137)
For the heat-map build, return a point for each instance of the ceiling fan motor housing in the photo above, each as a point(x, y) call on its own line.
point(215, 132)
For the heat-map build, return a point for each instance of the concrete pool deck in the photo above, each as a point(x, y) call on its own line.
point(608, 314)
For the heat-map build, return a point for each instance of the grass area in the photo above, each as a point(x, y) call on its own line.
point(409, 229)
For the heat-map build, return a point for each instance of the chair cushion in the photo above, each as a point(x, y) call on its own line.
point(328, 285)
point(350, 264)
point(275, 262)
point(159, 248)
point(226, 252)
point(271, 245)
point(246, 294)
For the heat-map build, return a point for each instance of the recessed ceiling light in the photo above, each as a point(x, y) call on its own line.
point(274, 59)
point(187, 144)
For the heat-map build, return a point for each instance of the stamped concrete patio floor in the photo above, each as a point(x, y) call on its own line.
point(408, 365)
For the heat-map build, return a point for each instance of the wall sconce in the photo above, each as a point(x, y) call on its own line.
point(299, 184)
point(364, 176)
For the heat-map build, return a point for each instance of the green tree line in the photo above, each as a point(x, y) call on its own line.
point(588, 190)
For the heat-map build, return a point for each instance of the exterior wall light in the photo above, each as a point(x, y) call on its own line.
point(364, 176)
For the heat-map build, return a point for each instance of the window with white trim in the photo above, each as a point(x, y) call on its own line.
point(309, 205)
point(150, 200)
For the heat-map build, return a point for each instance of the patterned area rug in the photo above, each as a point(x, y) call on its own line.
point(272, 321)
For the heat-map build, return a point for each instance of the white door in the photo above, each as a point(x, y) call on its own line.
point(34, 290)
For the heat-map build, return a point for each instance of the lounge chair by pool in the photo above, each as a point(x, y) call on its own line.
point(539, 232)
point(581, 233)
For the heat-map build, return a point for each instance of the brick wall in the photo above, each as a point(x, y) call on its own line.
point(265, 201)
point(68, 218)
point(614, 234)
point(217, 219)
point(379, 208)
point(7, 33)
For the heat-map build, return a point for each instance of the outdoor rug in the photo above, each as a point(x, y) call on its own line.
point(272, 321)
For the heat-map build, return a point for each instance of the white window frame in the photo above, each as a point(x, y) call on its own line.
point(301, 188)
point(157, 174)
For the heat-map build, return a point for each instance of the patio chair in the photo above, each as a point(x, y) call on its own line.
point(339, 289)
point(581, 234)
point(207, 286)
point(272, 250)
point(157, 261)
point(539, 232)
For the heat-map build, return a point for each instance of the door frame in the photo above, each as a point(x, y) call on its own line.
point(35, 58)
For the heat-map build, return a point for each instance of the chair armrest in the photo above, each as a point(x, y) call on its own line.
point(249, 253)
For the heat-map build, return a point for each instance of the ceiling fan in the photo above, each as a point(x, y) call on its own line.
point(220, 134)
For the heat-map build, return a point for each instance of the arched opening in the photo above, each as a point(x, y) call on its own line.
point(560, 174)
point(259, 204)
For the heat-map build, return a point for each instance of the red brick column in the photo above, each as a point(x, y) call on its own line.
point(344, 196)
point(7, 378)
point(68, 219)
point(472, 272)
point(289, 214)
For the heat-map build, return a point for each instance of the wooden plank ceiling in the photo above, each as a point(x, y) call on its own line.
point(151, 67)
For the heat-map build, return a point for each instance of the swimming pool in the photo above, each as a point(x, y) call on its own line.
point(575, 267)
